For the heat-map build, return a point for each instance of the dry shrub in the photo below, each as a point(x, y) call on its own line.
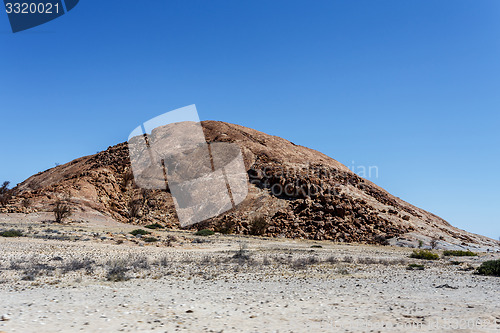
point(226, 226)
point(61, 211)
point(258, 226)
point(5, 194)
point(134, 208)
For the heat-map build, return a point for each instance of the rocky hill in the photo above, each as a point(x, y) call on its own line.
point(294, 192)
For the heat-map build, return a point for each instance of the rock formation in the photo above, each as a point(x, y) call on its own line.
point(294, 192)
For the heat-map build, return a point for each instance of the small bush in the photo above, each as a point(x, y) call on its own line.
point(381, 239)
point(33, 268)
point(368, 261)
point(139, 232)
point(200, 241)
point(163, 261)
point(258, 226)
point(242, 253)
point(150, 239)
point(424, 254)
point(226, 226)
point(154, 226)
point(134, 208)
point(459, 253)
point(117, 271)
point(348, 259)
point(303, 262)
point(76, 265)
point(204, 232)
point(61, 211)
point(491, 267)
point(137, 261)
point(434, 242)
point(316, 246)
point(413, 267)
point(11, 233)
point(332, 260)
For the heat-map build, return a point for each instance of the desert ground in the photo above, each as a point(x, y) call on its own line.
point(92, 275)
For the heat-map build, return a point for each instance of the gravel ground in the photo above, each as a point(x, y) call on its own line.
point(87, 278)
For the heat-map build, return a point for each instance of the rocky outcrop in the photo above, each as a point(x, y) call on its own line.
point(298, 192)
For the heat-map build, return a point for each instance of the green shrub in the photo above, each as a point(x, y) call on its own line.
point(424, 254)
point(204, 232)
point(459, 253)
point(150, 239)
point(139, 232)
point(413, 267)
point(11, 233)
point(491, 267)
point(316, 246)
point(154, 226)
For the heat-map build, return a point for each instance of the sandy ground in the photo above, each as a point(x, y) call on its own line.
point(63, 278)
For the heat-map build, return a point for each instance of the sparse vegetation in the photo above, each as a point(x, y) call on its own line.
point(381, 239)
point(61, 210)
point(226, 226)
point(154, 226)
point(491, 267)
point(138, 261)
point(33, 269)
point(117, 271)
point(415, 267)
point(332, 260)
point(348, 259)
point(258, 226)
point(134, 208)
point(150, 239)
point(424, 254)
point(204, 232)
point(78, 264)
point(304, 262)
point(5, 194)
point(434, 242)
point(459, 253)
point(11, 233)
point(242, 253)
point(368, 261)
point(136, 232)
point(163, 261)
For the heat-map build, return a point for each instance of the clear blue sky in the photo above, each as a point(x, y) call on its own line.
point(412, 87)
